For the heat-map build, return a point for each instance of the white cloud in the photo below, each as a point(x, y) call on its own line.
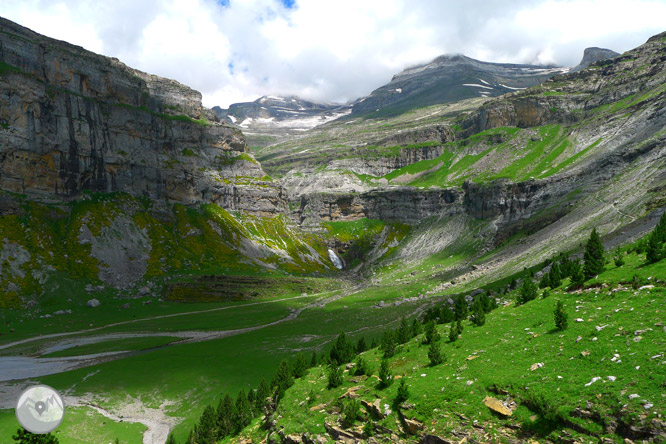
point(334, 51)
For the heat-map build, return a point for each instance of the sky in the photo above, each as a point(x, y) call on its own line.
point(331, 51)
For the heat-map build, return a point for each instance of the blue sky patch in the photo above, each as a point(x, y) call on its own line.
point(289, 4)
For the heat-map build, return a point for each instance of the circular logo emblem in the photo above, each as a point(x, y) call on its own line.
point(40, 409)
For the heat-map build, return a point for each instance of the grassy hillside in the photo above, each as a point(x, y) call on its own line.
point(599, 379)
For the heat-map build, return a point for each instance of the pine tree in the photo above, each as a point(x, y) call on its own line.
point(374, 343)
point(361, 346)
point(369, 428)
point(561, 321)
point(351, 411)
point(24, 437)
point(402, 335)
point(478, 314)
point(193, 437)
point(171, 439)
point(461, 308)
point(263, 392)
point(360, 366)
point(224, 417)
point(243, 415)
point(459, 326)
point(300, 366)
point(334, 376)
point(402, 395)
point(416, 328)
point(594, 256)
point(655, 249)
point(435, 354)
point(385, 375)
point(566, 266)
point(282, 379)
point(342, 351)
point(446, 315)
point(554, 278)
point(388, 344)
point(528, 292)
point(545, 281)
point(251, 398)
point(577, 274)
point(208, 426)
point(453, 332)
point(431, 333)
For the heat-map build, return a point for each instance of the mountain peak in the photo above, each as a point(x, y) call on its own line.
point(592, 55)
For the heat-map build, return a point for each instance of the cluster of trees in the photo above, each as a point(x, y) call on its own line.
point(24, 437)
point(233, 415)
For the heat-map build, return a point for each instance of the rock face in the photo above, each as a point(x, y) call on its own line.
point(381, 165)
point(402, 204)
point(73, 121)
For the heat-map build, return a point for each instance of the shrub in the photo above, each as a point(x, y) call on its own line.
point(528, 292)
point(402, 395)
point(334, 376)
point(361, 367)
point(453, 332)
point(619, 259)
point(369, 428)
point(351, 411)
point(388, 344)
point(431, 333)
point(478, 314)
point(435, 354)
point(385, 375)
point(342, 351)
point(561, 318)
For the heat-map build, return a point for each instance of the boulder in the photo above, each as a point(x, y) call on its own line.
point(93, 303)
point(498, 406)
point(413, 426)
point(432, 439)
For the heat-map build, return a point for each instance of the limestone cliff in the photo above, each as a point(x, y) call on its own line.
point(74, 121)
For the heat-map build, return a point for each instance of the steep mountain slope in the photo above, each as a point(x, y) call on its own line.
point(450, 78)
point(271, 112)
point(96, 162)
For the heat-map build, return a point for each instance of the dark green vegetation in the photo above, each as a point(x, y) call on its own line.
point(24, 437)
point(499, 360)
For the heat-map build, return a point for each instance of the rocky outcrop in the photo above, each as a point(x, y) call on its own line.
point(74, 121)
point(572, 97)
point(593, 55)
point(402, 204)
point(381, 165)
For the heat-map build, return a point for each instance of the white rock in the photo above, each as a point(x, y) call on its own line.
point(648, 405)
point(579, 320)
point(612, 378)
point(633, 396)
point(423, 375)
point(593, 380)
point(93, 303)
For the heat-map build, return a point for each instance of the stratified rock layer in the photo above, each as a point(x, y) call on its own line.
point(74, 121)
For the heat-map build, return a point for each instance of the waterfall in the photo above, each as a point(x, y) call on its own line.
point(335, 259)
